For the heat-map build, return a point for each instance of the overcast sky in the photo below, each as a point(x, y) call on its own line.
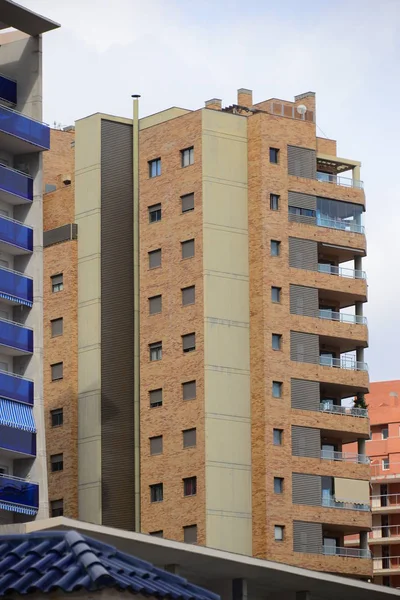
point(182, 53)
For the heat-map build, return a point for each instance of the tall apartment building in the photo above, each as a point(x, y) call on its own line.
point(23, 137)
point(220, 299)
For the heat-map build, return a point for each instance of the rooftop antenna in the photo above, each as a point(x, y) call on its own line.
point(302, 109)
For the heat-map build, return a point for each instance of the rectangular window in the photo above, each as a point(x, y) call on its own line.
point(155, 305)
point(57, 508)
point(190, 486)
point(189, 438)
point(187, 249)
point(159, 533)
point(278, 485)
point(276, 294)
point(187, 202)
point(156, 492)
point(156, 444)
point(189, 390)
point(57, 327)
point(57, 371)
point(385, 464)
point(276, 341)
point(279, 533)
point(275, 248)
point(189, 342)
point(188, 295)
point(56, 462)
point(304, 212)
point(155, 351)
point(57, 417)
point(154, 213)
point(190, 534)
point(277, 389)
point(274, 155)
point(155, 259)
point(277, 437)
point(155, 167)
point(156, 398)
point(274, 201)
point(385, 433)
point(187, 156)
point(57, 283)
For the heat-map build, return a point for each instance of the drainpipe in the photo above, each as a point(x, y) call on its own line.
point(136, 308)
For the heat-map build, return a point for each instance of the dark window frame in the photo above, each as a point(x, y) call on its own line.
point(57, 422)
point(155, 490)
point(274, 200)
point(155, 209)
point(189, 486)
point(157, 163)
point(189, 151)
point(274, 155)
point(57, 466)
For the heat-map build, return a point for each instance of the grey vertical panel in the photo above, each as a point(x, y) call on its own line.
point(306, 489)
point(303, 300)
point(302, 200)
point(117, 334)
point(306, 441)
point(60, 234)
point(303, 254)
point(302, 162)
point(305, 395)
point(307, 537)
point(304, 347)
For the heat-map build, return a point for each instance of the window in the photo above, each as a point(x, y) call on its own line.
point(57, 508)
point(276, 341)
point(156, 444)
point(278, 485)
point(274, 201)
point(156, 492)
point(187, 249)
point(275, 248)
point(385, 464)
point(190, 534)
point(155, 351)
point(154, 213)
point(189, 438)
point(57, 417)
point(188, 295)
point(57, 371)
point(189, 342)
point(304, 212)
point(187, 156)
point(277, 437)
point(274, 155)
point(276, 294)
point(277, 389)
point(279, 533)
point(155, 305)
point(159, 533)
point(155, 167)
point(187, 202)
point(57, 284)
point(155, 398)
point(57, 327)
point(189, 390)
point(155, 259)
point(190, 486)
point(385, 433)
point(57, 462)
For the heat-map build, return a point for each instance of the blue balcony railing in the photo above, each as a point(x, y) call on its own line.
point(16, 336)
point(16, 233)
point(17, 440)
point(16, 183)
point(8, 89)
point(16, 287)
point(15, 387)
point(22, 127)
point(18, 493)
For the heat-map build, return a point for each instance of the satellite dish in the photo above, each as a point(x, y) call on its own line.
point(302, 109)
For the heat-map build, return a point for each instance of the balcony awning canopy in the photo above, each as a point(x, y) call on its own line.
point(14, 298)
point(19, 416)
point(23, 510)
point(19, 17)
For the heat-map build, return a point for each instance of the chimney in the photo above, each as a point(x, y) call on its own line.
point(214, 103)
point(245, 97)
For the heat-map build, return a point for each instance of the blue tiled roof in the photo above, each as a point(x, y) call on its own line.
point(69, 561)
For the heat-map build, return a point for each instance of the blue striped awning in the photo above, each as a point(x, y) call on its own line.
point(14, 414)
point(23, 510)
point(15, 299)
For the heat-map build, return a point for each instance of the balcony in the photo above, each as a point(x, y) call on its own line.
point(328, 269)
point(331, 502)
point(330, 315)
point(384, 534)
point(339, 180)
point(344, 362)
point(385, 503)
point(19, 495)
point(15, 237)
point(18, 442)
point(386, 565)
point(15, 339)
point(15, 287)
point(350, 457)
point(17, 388)
point(8, 90)
point(20, 134)
point(346, 552)
point(15, 187)
point(340, 224)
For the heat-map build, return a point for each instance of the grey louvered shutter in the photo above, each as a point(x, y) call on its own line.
point(303, 300)
point(304, 347)
point(305, 395)
point(303, 254)
point(302, 162)
point(307, 537)
point(306, 441)
point(306, 489)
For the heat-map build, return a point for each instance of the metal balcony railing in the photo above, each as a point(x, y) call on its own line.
point(17, 492)
point(339, 180)
point(330, 315)
point(15, 233)
point(344, 362)
point(331, 502)
point(25, 128)
point(341, 224)
point(343, 410)
point(341, 271)
point(384, 531)
point(386, 562)
point(351, 457)
point(385, 501)
point(346, 552)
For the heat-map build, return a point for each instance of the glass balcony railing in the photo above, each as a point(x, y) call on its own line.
point(341, 271)
point(344, 362)
point(23, 127)
point(17, 440)
point(346, 552)
point(16, 183)
point(16, 287)
point(8, 90)
point(16, 336)
point(330, 315)
point(16, 233)
point(337, 409)
point(331, 502)
point(352, 457)
point(339, 180)
point(17, 492)
point(15, 387)
point(341, 224)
